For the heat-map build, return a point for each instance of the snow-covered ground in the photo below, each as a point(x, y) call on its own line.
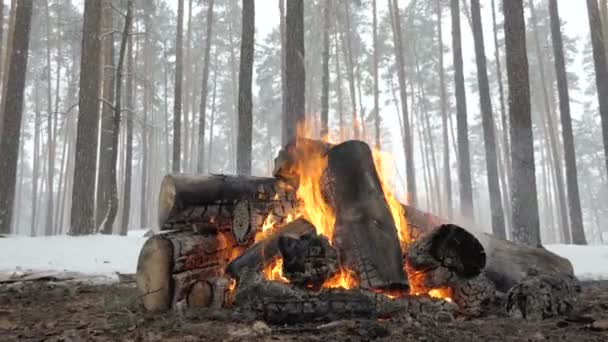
point(102, 255)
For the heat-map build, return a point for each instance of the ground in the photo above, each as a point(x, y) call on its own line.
point(43, 311)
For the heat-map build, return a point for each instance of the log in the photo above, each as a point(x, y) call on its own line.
point(308, 260)
point(540, 297)
point(365, 235)
point(446, 256)
point(293, 155)
point(261, 253)
point(474, 296)
point(280, 303)
point(172, 264)
point(238, 204)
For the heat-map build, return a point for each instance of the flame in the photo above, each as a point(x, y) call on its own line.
point(274, 271)
point(344, 279)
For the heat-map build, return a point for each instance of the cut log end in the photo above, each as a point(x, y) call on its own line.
point(153, 276)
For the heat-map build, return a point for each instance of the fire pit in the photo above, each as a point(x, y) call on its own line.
point(325, 239)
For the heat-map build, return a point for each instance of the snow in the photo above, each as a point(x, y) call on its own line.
point(103, 256)
point(590, 262)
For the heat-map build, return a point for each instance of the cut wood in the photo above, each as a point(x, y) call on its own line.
point(365, 235)
point(262, 252)
point(238, 204)
point(170, 264)
point(540, 297)
point(473, 296)
point(445, 256)
point(308, 260)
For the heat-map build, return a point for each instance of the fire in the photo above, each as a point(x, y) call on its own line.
point(274, 271)
point(344, 279)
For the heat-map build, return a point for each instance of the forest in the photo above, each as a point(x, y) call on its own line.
point(494, 112)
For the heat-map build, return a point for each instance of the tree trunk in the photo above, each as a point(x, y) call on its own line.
point(295, 73)
point(407, 137)
point(177, 96)
point(284, 119)
point(130, 112)
point(576, 216)
point(348, 51)
point(447, 181)
point(205, 83)
point(12, 116)
point(212, 120)
point(36, 161)
point(245, 126)
point(376, 80)
point(551, 131)
point(601, 68)
point(525, 228)
point(487, 116)
point(339, 94)
point(1, 46)
point(325, 76)
point(464, 165)
point(51, 120)
point(107, 112)
point(112, 207)
point(187, 95)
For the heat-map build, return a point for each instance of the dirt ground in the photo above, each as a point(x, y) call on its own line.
point(42, 311)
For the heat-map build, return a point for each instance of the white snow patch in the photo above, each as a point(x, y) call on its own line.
point(589, 262)
point(101, 255)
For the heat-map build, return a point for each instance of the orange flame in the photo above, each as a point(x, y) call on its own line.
point(344, 279)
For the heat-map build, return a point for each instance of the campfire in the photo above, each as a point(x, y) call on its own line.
point(324, 238)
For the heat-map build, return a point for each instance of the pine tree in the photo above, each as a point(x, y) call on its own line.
point(245, 103)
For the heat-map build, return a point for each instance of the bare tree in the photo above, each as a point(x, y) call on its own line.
point(601, 68)
point(245, 103)
point(83, 193)
point(112, 207)
point(129, 110)
point(464, 164)
point(526, 227)
point(205, 84)
point(576, 216)
point(407, 137)
point(325, 76)
point(177, 98)
point(295, 71)
point(487, 117)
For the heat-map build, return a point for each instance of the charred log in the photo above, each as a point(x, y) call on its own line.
point(543, 296)
point(293, 155)
point(237, 204)
point(308, 260)
point(365, 235)
point(171, 265)
point(445, 256)
point(473, 296)
point(280, 303)
point(264, 251)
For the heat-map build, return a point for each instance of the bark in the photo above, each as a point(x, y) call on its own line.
point(284, 118)
point(464, 165)
point(177, 96)
point(601, 68)
point(525, 228)
point(1, 46)
point(113, 201)
point(12, 116)
point(447, 181)
point(129, 110)
point(407, 137)
point(146, 132)
point(187, 94)
point(295, 76)
point(576, 216)
point(107, 113)
point(7, 53)
point(376, 84)
point(551, 132)
point(245, 104)
point(487, 116)
point(325, 76)
point(365, 235)
point(205, 83)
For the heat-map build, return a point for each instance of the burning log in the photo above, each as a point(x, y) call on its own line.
point(540, 297)
point(473, 296)
point(237, 204)
point(295, 152)
point(365, 235)
point(308, 260)
point(184, 266)
point(280, 303)
point(261, 253)
point(445, 256)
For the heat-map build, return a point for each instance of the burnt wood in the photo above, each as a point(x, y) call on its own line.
point(445, 256)
point(262, 252)
point(365, 235)
point(474, 296)
point(540, 297)
point(308, 260)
